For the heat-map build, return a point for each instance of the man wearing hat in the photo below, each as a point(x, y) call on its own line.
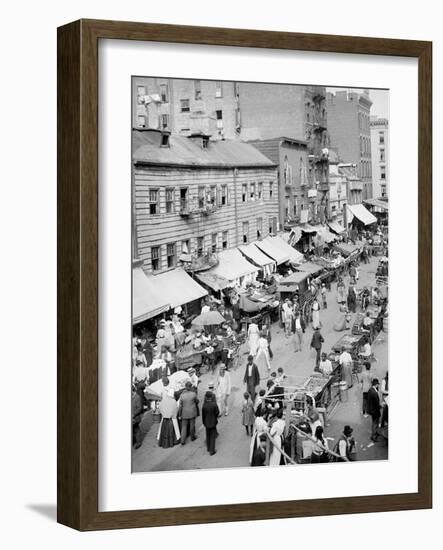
point(346, 445)
point(223, 390)
point(194, 379)
point(374, 407)
point(187, 411)
point(316, 343)
point(251, 377)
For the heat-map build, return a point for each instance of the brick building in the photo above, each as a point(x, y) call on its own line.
point(380, 155)
point(197, 196)
point(349, 130)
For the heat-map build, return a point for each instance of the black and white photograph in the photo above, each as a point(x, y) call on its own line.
point(260, 261)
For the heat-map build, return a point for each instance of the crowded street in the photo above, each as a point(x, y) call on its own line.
point(233, 444)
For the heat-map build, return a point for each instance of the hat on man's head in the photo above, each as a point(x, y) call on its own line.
point(347, 431)
point(211, 386)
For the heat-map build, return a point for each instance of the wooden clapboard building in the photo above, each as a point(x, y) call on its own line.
point(194, 197)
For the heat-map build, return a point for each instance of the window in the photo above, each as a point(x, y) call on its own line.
point(164, 120)
point(219, 117)
point(198, 89)
point(218, 88)
point(184, 198)
point(200, 246)
point(260, 190)
point(224, 195)
point(270, 226)
point(213, 195)
point(244, 192)
point(155, 258)
point(237, 118)
point(381, 137)
point(169, 200)
point(184, 105)
point(164, 93)
point(153, 202)
point(245, 232)
point(271, 189)
point(382, 155)
point(165, 140)
point(201, 197)
point(259, 228)
point(185, 131)
point(252, 191)
point(225, 240)
point(214, 242)
point(170, 254)
point(141, 92)
point(186, 246)
point(141, 121)
point(383, 172)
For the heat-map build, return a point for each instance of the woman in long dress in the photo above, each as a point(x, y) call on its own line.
point(276, 433)
point(262, 359)
point(315, 314)
point(260, 427)
point(168, 433)
point(341, 291)
point(253, 337)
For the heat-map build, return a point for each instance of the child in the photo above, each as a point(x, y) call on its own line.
point(248, 416)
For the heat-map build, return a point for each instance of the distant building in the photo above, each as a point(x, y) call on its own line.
point(291, 157)
point(195, 196)
point(349, 130)
point(354, 185)
point(338, 190)
point(380, 156)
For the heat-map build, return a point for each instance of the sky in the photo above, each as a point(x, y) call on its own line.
point(380, 99)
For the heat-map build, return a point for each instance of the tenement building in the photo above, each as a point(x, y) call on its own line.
point(195, 196)
point(349, 130)
point(380, 156)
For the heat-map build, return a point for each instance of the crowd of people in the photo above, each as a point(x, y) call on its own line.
point(262, 410)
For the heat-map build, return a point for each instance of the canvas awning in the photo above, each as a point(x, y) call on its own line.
point(178, 287)
point(309, 229)
point(255, 255)
point(147, 301)
point(232, 265)
point(378, 204)
point(336, 227)
point(310, 268)
point(279, 250)
point(324, 234)
point(347, 248)
point(291, 282)
point(361, 213)
point(270, 247)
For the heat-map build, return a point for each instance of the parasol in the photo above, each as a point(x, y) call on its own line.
point(209, 318)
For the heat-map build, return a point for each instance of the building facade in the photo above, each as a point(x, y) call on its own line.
point(196, 196)
point(380, 156)
point(349, 130)
point(291, 157)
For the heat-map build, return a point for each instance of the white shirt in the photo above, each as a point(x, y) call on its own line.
point(325, 367)
point(345, 357)
point(205, 309)
point(298, 324)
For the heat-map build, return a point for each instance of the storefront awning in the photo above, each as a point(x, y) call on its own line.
point(178, 287)
point(379, 205)
point(336, 227)
point(147, 301)
point(346, 249)
point(309, 229)
point(232, 265)
point(279, 250)
point(292, 282)
point(361, 213)
point(255, 255)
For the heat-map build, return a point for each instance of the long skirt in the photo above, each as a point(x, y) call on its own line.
point(263, 364)
point(315, 319)
point(276, 457)
point(253, 342)
point(167, 433)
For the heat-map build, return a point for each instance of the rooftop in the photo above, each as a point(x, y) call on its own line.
point(185, 151)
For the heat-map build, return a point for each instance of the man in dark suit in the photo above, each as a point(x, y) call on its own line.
point(210, 414)
point(316, 343)
point(251, 377)
point(187, 411)
point(374, 407)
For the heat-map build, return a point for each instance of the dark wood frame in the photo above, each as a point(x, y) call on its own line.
point(77, 456)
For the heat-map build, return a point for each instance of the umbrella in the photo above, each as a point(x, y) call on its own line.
point(209, 318)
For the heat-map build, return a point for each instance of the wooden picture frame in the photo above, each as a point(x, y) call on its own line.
point(78, 273)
